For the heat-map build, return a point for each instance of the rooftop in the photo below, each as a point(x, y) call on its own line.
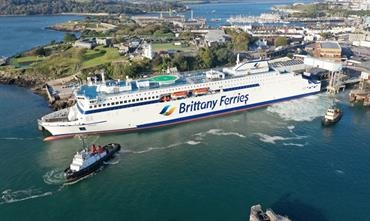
point(329, 44)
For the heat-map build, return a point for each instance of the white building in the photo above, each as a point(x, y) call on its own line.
point(147, 51)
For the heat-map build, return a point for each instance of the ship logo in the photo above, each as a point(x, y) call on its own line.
point(167, 110)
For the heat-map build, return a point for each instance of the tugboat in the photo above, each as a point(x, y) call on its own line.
point(332, 116)
point(87, 161)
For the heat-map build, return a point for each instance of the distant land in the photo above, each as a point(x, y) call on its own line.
point(54, 7)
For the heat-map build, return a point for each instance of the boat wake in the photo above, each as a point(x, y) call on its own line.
point(193, 142)
point(304, 109)
point(82, 178)
point(10, 196)
point(54, 177)
point(19, 138)
point(112, 162)
point(274, 139)
point(196, 139)
point(155, 148)
point(218, 132)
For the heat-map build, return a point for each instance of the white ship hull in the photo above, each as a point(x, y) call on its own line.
point(245, 93)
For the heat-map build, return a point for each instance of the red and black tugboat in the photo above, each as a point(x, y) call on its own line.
point(87, 161)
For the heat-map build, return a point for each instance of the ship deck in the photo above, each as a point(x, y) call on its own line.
point(164, 81)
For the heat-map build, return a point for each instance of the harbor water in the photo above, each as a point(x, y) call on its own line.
point(20, 33)
point(215, 169)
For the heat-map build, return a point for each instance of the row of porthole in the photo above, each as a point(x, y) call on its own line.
point(124, 102)
point(133, 100)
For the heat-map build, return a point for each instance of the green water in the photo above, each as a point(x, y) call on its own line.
point(213, 169)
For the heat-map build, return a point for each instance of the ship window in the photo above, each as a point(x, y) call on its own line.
point(137, 99)
point(94, 106)
point(103, 105)
point(108, 104)
point(82, 128)
point(99, 105)
point(112, 103)
point(90, 107)
point(125, 101)
point(117, 102)
point(121, 102)
point(141, 99)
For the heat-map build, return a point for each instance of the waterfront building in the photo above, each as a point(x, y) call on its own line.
point(327, 49)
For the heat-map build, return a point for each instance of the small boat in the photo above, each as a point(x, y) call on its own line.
point(215, 19)
point(88, 161)
point(332, 115)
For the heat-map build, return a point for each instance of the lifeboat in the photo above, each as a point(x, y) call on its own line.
point(201, 91)
point(165, 98)
point(179, 95)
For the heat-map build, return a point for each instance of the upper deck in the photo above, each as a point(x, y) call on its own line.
point(109, 87)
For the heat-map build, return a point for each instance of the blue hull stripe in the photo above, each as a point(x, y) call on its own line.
point(225, 111)
point(150, 102)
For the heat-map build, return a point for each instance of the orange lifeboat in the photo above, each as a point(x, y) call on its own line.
point(201, 91)
point(179, 94)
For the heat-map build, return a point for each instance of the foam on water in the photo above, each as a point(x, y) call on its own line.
point(148, 149)
point(220, 132)
point(82, 178)
point(112, 162)
point(18, 138)
point(294, 144)
point(273, 139)
point(304, 109)
point(10, 196)
point(339, 172)
point(193, 142)
point(54, 177)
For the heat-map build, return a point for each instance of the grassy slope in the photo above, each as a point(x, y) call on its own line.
point(99, 55)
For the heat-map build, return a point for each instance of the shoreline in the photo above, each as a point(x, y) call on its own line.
point(36, 85)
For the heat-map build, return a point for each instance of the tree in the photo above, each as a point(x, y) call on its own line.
point(68, 37)
point(40, 51)
point(281, 41)
point(205, 58)
point(240, 40)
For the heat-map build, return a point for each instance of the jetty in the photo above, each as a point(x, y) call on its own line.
point(257, 214)
point(362, 93)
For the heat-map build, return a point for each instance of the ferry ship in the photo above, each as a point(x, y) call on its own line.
point(121, 106)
